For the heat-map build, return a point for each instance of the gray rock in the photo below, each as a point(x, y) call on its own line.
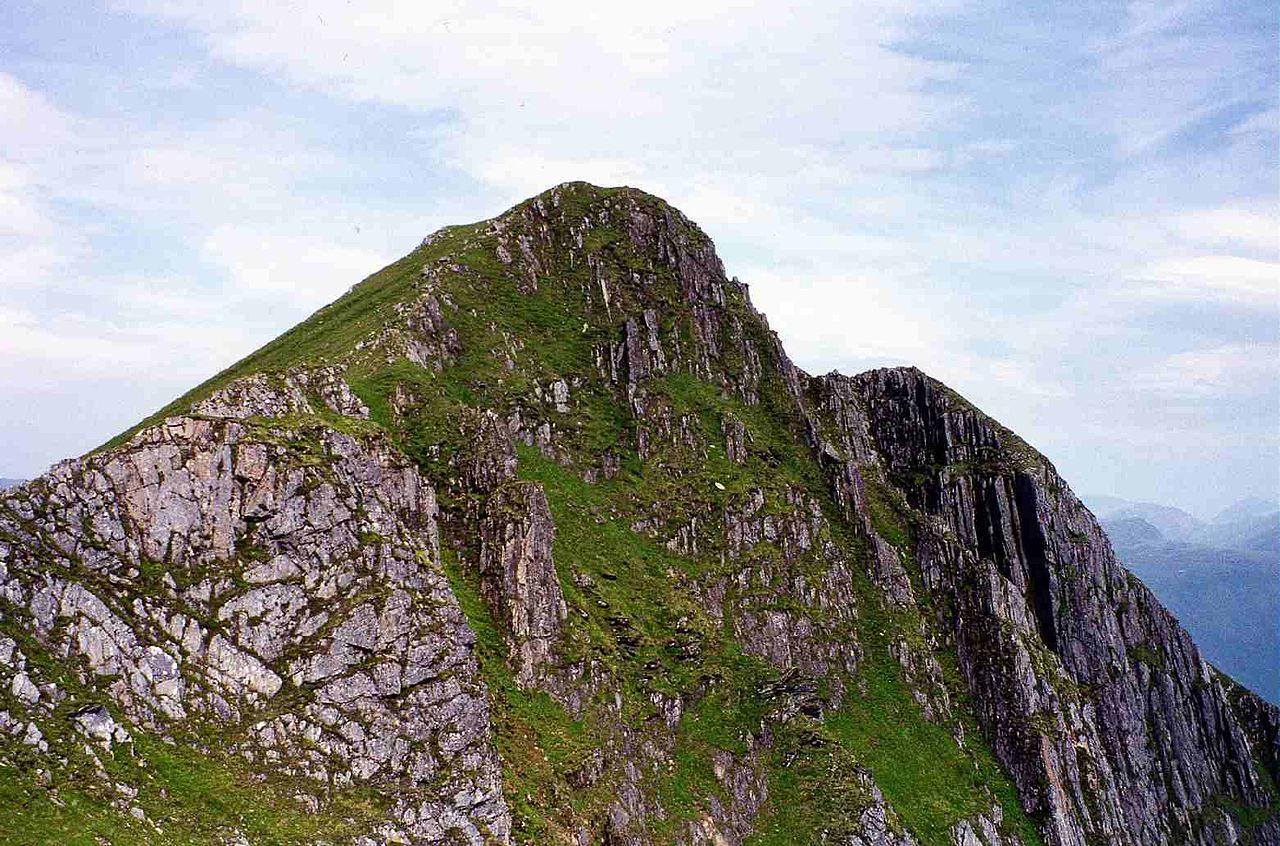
point(519, 576)
point(197, 493)
point(246, 567)
point(24, 690)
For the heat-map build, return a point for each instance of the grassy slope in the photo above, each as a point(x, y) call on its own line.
point(638, 607)
point(638, 617)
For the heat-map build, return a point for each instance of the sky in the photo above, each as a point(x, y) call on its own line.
point(1069, 212)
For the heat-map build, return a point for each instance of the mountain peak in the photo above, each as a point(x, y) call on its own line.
point(1247, 508)
point(537, 535)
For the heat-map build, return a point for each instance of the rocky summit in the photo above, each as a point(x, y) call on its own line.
point(537, 536)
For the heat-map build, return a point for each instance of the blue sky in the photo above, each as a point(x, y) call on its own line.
point(1066, 211)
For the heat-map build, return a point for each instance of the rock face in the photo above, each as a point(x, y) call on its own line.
point(1228, 571)
point(209, 568)
point(519, 577)
point(1143, 736)
point(538, 536)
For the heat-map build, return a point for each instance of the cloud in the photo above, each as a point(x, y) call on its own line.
point(20, 214)
point(522, 172)
point(229, 156)
point(1174, 66)
point(1240, 228)
point(1235, 369)
point(1234, 279)
point(30, 127)
point(845, 321)
point(589, 59)
point(28, 121)
point(241, 192)
point(1264, 123)
point(1026, 204)
point(71, 346)
point(661, 93)
point(311, 268)
point(137, 260)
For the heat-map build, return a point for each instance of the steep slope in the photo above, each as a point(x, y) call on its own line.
point(538, 536)
point(1136, 721)
point(1211, 590)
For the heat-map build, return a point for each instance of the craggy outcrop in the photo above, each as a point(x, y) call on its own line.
point(1098, 702)
point(519, 576)
point(209, 569)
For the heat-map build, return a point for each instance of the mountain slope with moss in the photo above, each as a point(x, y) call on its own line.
point(537, 536)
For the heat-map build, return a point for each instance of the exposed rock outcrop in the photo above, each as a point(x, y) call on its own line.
point(209, 569)
point(1095, 698)
point(519, 575)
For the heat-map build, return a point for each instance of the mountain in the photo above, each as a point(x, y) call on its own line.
point(1251, 523)
point(1173, 523)
point(5, 484)
point(1248, 508)
point(1128, 532)
point(537, 536)
point(1229, 599)
point(1221, 579)
point(1259, 533)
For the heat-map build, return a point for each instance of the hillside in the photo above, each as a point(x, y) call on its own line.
point(1227, 596)
point(537, 536)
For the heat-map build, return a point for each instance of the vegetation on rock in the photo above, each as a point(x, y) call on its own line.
point(546, 499)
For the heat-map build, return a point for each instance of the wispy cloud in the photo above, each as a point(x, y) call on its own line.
point(310, 266)
point(1241, 369)
point(1068, 212)
point(1241, 281)
point(1243, 229)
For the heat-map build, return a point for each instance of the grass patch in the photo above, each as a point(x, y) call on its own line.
point(190, 796)
point(540, 744)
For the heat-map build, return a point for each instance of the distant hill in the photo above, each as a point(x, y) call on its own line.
point(1130, 531)
point(1251, 507)
point(5, 484)
point(1173, 523)
point(1222, 579)
point(1251, 523)
point(1259, 533)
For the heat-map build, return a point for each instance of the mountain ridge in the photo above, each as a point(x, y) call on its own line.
point(1249, 523)
point(1212, 588)
point(537, 535)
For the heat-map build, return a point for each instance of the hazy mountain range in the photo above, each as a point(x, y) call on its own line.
point(1220, 577)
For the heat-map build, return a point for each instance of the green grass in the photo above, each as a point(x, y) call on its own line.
point(540, 744)
point(632, 602)
point(928, 779)
point(35, 818)
point(330, 333)
point(193, 791)
point(189, 795)
point(815, 795)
